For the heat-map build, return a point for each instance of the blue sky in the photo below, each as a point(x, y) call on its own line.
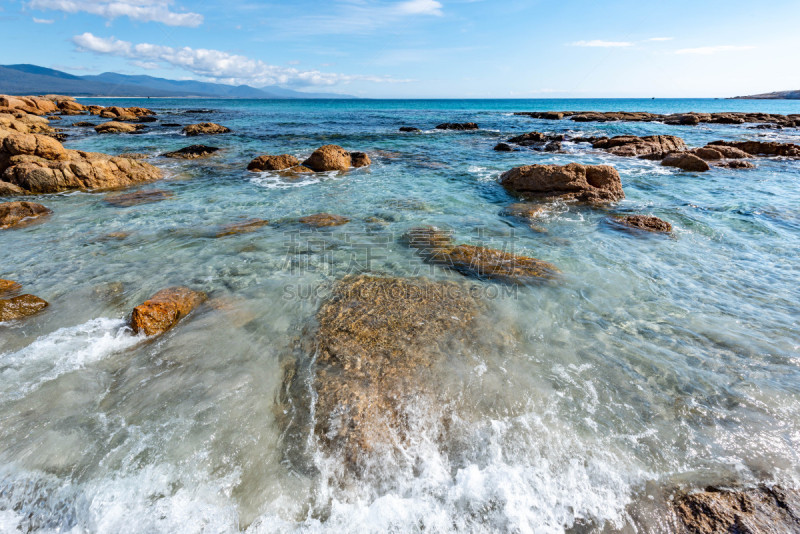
point(423, 48)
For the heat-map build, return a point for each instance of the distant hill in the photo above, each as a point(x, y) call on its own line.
point(31, 79)
point(778, 95)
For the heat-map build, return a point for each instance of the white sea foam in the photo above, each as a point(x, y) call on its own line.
point(62, 351)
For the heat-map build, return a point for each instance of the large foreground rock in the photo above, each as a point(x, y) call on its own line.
point(39, 164)
point(17, 213)
point(584, 183)
point(759, 510)
point(335, 158)
point(163, 310)
point(19, 307)
point(376, 341)
point(631, 145)
point(205, 128)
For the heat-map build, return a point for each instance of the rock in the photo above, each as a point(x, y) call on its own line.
point(191, 152)
point(736, 164)
point(319, 220)
point(360, 159)
point(134, 155)
point(297, 169)
point(20, 213)
point(685, 161)
point(26, 124)
point(205, 128)
point(8, 286)
point(330, 158)
point(10, 190)
point(758, 148)
point(273, 163)
point(643, 222)
point(689, 119)
point(126, 200)
point(584, 183)
point(409, 129)
point(729, 152)
point(707, 154)
point(457, 126)
point(631, 145)
point(525, 210)
point(436, 246)
point(503, 147)
point(71, 106)
point(163, 310)
point(372, 350)
point(28, 104)
point(242, 228)
point(115, 127)
point(84, 124)
point(759, 510)
point(19, 307)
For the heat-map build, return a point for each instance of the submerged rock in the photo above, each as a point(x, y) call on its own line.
point(242, 227)
point(20, 213)
point(21, 306)
point(633, 146)
point(643, 222)
point(457, 126)
point(685, 161)
point(273, 163)
point(319, 220)
point(525, 210)
point(126, 200)
point(376, 341)
point(584, 183)
point(503, 147)
point(8, 286)
point(335, 158)
point(205, 128)
point(191, 152)
point(163, 310)
point(759, 510)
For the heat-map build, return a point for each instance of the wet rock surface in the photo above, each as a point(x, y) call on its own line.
point(762, 510)
point(457, 126)
point(335, 158)
point(273, 163)
point(126, 200)
point(320, 220)
point(409, 129)
point(647, 223)
point(205, 128)
point(584, 183)
point(20, 307)
point(20, 213)
point(244, 227)
point(633, 146)
point(538, 141)
point(163, 310)
point(761, 148)
point(191, 152)
point(686, 162)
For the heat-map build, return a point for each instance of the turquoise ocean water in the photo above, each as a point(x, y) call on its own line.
point(655, 362)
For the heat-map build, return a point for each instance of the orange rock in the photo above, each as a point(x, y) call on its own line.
point(8, 286)
point(163, 310)
point(324, 219)
point(329, 158)
point(273, 163)
point(127, 200)
point(19, 307)
point(205, 128)
point(585, 183)
point(16, 213)
point(242, 228)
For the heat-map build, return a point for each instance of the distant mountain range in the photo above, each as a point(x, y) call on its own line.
point(778, 95)
point(35, 80)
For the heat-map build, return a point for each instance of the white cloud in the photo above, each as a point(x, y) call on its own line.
point(419, 7)
point(706, 50)
point(660, 39)
point(601, 44)
point(43, 21)
point(217, 65)
point(140, 10)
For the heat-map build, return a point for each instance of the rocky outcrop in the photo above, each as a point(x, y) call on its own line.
point(39, 164)
point(371, 352)
point(633, 146)
point(26, 124)
point(273, 163)
point(457, 126)
point(736, 164)
point(191, 152)
point(759, 148)
point(684, 119)
point(539, 141)
point(27, 104)
point(319, 220)
point(10, 190)
point(245, 227)
point(115, 127)
point(126, 200)
point(759, 510)
point(409, 129)
point(729, 152)
point(205, 128)
point(503, 147)
point(643, 222)
point(20, 307)
point(335, 158)
point(583, 183)
point(19, 213)
point(686, 162)
point(163, 310)
point(437, 247)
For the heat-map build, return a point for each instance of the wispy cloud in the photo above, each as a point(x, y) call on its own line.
point(419, 7)
point(597, 43)
point(140, 10)
point(43, 21)
point(660, 39)
point(217, 65)
point(706, 50)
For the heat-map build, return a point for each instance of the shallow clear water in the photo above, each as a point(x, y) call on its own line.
point(654, 362)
